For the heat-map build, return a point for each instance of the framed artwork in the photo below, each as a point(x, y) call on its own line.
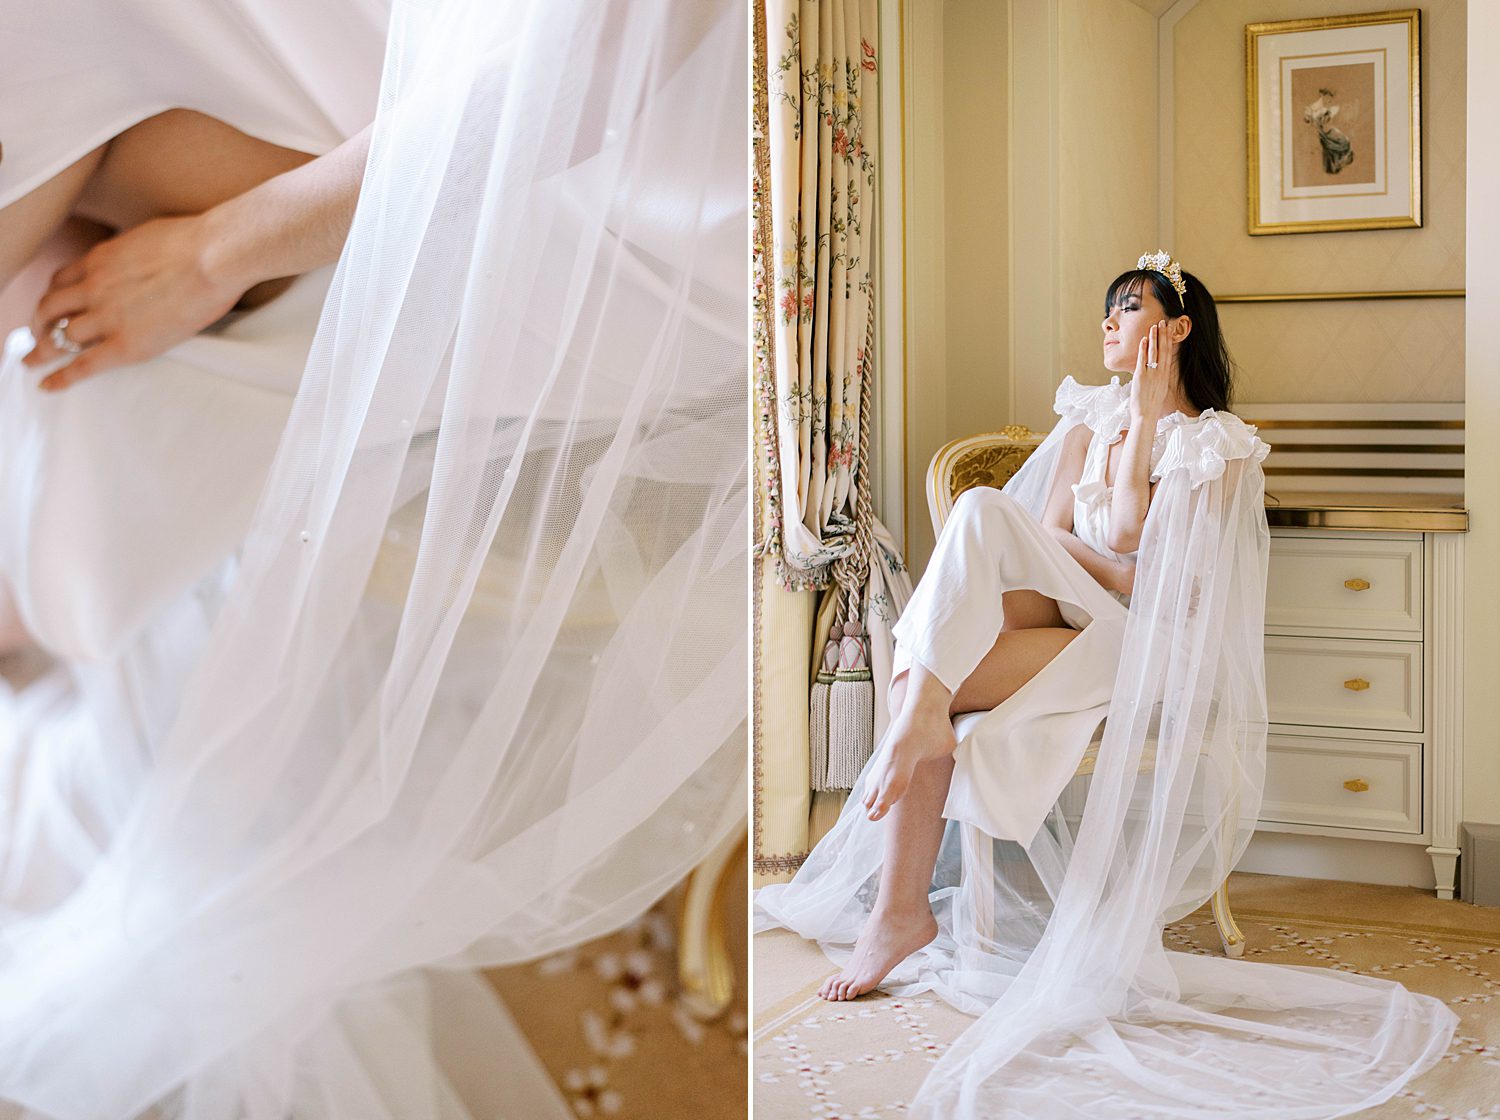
point(1333, 112)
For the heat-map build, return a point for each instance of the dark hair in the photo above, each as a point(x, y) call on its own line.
point(1203, 363)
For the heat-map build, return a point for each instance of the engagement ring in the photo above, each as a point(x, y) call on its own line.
point(60, 339)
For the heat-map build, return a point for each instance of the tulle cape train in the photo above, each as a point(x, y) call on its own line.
point(1056, 943)
point(473, 688)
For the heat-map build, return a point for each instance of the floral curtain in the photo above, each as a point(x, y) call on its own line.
point(820, 143)
point(817, 70)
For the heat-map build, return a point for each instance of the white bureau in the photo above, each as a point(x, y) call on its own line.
point(1364, 686)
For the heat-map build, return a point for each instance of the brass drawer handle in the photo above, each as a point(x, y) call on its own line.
point(1358, 684)
point(1357, 584)
point(1356, 785)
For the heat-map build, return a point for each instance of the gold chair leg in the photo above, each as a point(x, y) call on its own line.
point(1229, 932)
point(705, 968)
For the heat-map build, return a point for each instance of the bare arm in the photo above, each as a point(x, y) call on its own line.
point(1155, 374)
point(1057, 518)
point(288, 225)
point(29, 222)
point(1133, 489)
point(139, 294)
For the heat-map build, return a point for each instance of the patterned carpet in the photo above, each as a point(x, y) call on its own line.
point(865, 1059)
point(607, 1021)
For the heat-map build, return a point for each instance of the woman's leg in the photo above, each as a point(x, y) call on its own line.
point(27, 224)
point(901, 921)
point(924, 730)
point(178, 162)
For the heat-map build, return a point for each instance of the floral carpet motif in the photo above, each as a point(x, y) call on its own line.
point(608, 1021)
point(866, 1059)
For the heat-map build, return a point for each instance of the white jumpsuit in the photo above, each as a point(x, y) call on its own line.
point(1013, 761)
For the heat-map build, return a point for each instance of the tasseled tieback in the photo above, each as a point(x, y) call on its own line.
point(842, 729)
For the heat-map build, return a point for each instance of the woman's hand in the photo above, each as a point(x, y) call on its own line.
point(1155, 375)
point(1124, 581)
point(130, 298)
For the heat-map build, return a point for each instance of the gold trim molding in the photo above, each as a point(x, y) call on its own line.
point(1309, 297)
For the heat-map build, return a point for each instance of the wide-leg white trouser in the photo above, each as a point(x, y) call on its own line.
point(1012, 762)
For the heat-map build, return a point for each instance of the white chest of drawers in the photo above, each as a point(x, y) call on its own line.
point(1364, 681)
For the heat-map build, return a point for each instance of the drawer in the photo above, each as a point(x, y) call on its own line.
point(1344, 682)
point(1345, 783)
point(1337, 583)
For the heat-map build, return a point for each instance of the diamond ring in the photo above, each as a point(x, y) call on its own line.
point(60, 339)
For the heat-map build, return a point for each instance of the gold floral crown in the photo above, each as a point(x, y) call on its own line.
point(1161, 261)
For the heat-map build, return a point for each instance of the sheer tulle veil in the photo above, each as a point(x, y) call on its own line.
point(476, 689)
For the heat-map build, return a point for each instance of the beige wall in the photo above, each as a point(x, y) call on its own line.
point(925, 391)
point(1107, 185)
point(1387, 351)
point(957, 240)
point(989, 160)
point(976, 209)
point(1482, 414)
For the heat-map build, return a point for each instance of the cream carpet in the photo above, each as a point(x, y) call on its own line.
point(865, 1059)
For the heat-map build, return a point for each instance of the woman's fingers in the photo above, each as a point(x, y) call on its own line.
point(58, 303)
point(82, 331)
point(69, 274)
point(107, 355)
point(1152, 347)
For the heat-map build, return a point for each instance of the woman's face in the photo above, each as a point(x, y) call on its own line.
point(1129, 321)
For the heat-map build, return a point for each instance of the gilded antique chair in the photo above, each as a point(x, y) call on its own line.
point(990, 459)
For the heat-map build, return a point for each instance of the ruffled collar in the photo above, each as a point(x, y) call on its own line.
point(1104, 408)
point(1199, 444)
point(1202, 446)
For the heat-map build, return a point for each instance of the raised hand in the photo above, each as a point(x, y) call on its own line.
point(1155, 374)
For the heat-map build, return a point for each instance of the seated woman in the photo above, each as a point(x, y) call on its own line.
point(1112, 591)
point(1060, 577)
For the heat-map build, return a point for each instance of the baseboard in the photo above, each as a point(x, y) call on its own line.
point(1329, 857)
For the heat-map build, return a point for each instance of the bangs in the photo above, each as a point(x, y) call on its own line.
point(1138, 281)
point(1125, 285)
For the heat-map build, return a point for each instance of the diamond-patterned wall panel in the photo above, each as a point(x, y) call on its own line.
point(1363, 351)
point(1393, 350)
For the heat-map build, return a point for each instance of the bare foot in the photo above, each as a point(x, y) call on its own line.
point(918, 734)
point(887, 940)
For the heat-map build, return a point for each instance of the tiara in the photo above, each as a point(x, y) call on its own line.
point(1161, 261)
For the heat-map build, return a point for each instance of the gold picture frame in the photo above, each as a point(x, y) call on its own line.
point(1333, 114)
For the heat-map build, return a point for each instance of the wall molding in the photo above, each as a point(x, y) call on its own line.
point(1032, 133)
point(1166, 124)
point(891, 386)
point(1314, 297)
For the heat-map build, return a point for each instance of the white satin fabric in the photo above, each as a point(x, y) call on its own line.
point(1051, 892)
point(77, 73)
point(439, 665)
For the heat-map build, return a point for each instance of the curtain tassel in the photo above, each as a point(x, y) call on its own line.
point(818, 721)
point(851, 710)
